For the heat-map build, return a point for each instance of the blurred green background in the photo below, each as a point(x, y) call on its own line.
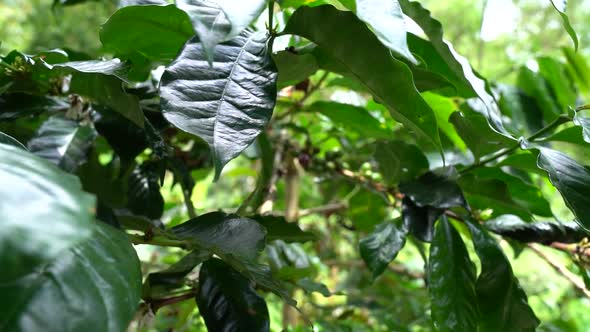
point(497, 36)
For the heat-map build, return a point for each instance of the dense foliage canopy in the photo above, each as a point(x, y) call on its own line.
point(258, 165)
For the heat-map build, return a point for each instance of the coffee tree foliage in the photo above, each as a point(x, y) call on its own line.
point(335, 138)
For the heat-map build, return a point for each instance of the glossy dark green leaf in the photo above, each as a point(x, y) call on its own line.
point(168, 29)
point(387, 20)
point(43, 211)
point(294, 68)
point(438, 189)
point(224, 234)
point(108, 90)
point(278, 228)
point(18, 105)
point(571, 179)
point(143, 192)
point(348, 40)
point(502, 302)
point(96, 285)
point(477, 134)
point(560, 6)
point(543, 232)
point(398, 161)
point(113, 67)
point(382, 246)
point(174, 276)
point(455, 62)
point(127, 3)
point(419, 221)
point(352, 118)
point(228, 302)
point(9, 140)
point(228, 104)
point(451, 276)
point(63, 142)
point(210, 22)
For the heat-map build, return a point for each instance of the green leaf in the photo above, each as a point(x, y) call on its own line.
point(18, 105)
point(351, 118)
point(578, 68)
point(526, 116)
point(63, 142)
point(451, 276)
point(351, 43)
point(96, 285)
point(477, 134)
point(419, 221)
point(311, 286)
point(210, 22)
point(240, 13)
point(108, 90)
point(9, 140)
point(278, 228)
point(43, 211)
point(228, 302)
point(573, 135)
point(387, 20)
point(525, 160)
point(555, 74)
point(535, 86)
point(143, 192)
point(380, 247)
point(366, 209)
point(524, 194)
point(435, 63)
point(560, 6)
point(294, 68)
point(227, 105)
point(543, 232)
point(502, 302)
point(571, 179)
point(455, 62)
point(398, 161)
point(443, 108)
point(438, 189)
point(491, 194)
point(168, 29)
point(105, 181)
point(224, 234)
point(158, 283)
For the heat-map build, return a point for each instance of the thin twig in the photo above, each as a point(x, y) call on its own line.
point(268, 203)
point(576, 281)
point(306, 95)
point(324, 209)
